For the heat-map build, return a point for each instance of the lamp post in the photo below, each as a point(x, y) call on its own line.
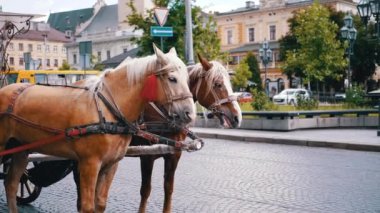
point(265, 54)
point(348, 32)
point(368, 8)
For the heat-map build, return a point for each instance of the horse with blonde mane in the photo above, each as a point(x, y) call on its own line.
point(31, 115)
point(211, 87)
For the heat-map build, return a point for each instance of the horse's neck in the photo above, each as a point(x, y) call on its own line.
point(126, 96)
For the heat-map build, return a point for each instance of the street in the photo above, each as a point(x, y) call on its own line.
point(231, 176)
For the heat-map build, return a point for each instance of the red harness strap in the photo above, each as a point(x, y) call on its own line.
point(34, 144)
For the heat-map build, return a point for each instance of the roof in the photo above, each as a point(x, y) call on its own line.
point(116, 60)
point(68, 20)
point(254, 47)
point(105, 20)
point(36, 35)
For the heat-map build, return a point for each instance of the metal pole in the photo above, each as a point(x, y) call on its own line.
point(265, 78)
point(349, 65)
point(189, 33)
point(162, 43)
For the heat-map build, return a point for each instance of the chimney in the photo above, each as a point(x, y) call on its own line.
point(249, 4)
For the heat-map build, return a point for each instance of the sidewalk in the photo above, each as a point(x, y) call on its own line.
point(352, 139)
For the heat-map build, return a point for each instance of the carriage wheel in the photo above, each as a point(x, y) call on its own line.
point(27, 191)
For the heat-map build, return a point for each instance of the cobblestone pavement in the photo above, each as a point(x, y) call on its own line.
point(230, 176)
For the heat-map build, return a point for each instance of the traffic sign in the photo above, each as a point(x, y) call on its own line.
point(161, 15)
point(161, 31)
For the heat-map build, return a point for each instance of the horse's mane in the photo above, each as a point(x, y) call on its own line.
point(135, 68)
point(217, 72)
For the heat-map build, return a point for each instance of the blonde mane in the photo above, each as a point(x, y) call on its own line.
point(217, 73)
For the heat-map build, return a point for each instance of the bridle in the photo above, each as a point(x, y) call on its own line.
point(215, 107)
point(170, 97)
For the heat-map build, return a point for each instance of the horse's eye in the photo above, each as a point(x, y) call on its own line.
point(218, 85)
point(172, 79)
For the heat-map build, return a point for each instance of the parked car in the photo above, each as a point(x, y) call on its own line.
point(244, 97)
point(340, 96)
point(289, 96)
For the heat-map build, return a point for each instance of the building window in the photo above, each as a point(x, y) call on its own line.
point(99, 56)
point(272, 32)
point(229, 37)
point(11, 47)
point(56, 62)
point(11, 61)
point(75, 58)
point(30, 47)
point(108, 54)
point(125, 50)
point(68, 33)
point(48, 62)
point(251, 34)
point(47, 49)
point(21, 47)
point(39, 48)
point(55, 49)
point(63, 49)
point(21, 61)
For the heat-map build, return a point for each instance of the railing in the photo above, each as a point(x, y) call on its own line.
point(291, 120)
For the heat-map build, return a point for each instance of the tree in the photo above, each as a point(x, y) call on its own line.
point(320, 55)
point(206, 41)
point(362, 61)
point(65, 66)
point(242, 74)
point(253, 67)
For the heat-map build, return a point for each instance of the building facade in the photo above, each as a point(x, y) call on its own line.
point(103, 27)
point(41, 48)
point(245, 29)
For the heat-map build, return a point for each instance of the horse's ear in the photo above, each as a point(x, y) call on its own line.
point(160, 55)
point(205, 64)
point(173, 51)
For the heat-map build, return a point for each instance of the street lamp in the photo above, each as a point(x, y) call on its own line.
point(348, 32)
point(368, 8)
point(265, 54)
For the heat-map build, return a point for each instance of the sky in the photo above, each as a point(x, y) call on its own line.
point(44, 7)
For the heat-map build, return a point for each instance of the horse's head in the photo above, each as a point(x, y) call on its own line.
point(173, 91)
point(211, 86)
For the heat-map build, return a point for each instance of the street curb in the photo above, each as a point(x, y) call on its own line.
point(297, 142)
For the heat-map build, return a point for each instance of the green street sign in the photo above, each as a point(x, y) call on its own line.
point(157, 31)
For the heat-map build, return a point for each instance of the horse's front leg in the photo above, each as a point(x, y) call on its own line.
point(146, 164)
point(88, 176)
point(12, 179)
point(171, 162)
point(106, 176)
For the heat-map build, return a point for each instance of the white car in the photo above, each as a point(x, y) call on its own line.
point(289, 96)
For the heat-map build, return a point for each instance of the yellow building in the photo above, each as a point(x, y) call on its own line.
point(45, 45)
point(245, 29)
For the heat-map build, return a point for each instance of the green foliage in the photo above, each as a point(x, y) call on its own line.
point(261, 102)
point(242, 74)
point(206, 41)
point(320, 55)
point(99, 67)
point(65, 66)
point(306, 103)
point(355, 97)
point(254, 69)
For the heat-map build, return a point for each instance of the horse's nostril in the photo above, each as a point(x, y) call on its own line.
point(187, 116)
point(236, 119)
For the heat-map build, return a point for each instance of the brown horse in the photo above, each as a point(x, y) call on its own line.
point(35, 113)
point(211, 87)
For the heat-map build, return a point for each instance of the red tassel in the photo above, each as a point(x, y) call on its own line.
point(149, 91)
